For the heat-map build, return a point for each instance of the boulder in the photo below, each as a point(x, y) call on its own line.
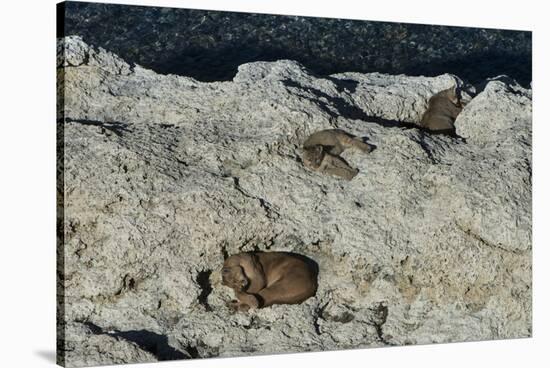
point(164, 176)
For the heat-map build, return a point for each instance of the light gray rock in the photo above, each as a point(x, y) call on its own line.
point(164, 175)
point(86, 346)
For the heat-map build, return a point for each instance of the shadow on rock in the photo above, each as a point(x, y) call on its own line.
point(152, 342)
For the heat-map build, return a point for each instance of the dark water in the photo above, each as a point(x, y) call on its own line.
point(209, 45)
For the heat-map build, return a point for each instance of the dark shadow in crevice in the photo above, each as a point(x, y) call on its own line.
point(192, 351)
point(425, 147)
point(317, 315)
point(225, 254)
point(154, 343)
point(95, 329)
point(378, 318)
point(116, 127)
point(344, 109)
point(203, 279)
point(344, 85)
point(348, 111)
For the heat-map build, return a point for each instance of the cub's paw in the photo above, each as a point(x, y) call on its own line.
point(250, 300)
point(243, 307)
point(237, 306)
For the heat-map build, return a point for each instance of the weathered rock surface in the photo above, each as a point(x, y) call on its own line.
point(164, 176)
point(88, 345)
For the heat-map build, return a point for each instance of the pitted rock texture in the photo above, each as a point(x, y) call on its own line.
point(88, 345)
point(164, 176)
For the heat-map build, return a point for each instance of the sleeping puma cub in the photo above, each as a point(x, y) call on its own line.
point(321, 150)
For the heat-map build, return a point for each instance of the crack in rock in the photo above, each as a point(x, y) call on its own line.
point(379, 318)
point(479, 238)
point(116, 127)
point(203, 279)
point(268, 208)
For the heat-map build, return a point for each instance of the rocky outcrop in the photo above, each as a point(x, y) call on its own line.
point(89, 345)
point(164, 176)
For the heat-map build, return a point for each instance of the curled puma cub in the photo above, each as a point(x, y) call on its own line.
point(321, 150)
point(443, 108)
point(315, 158)
point(261, 279)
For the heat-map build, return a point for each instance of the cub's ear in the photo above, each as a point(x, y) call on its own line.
point(248, 259)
